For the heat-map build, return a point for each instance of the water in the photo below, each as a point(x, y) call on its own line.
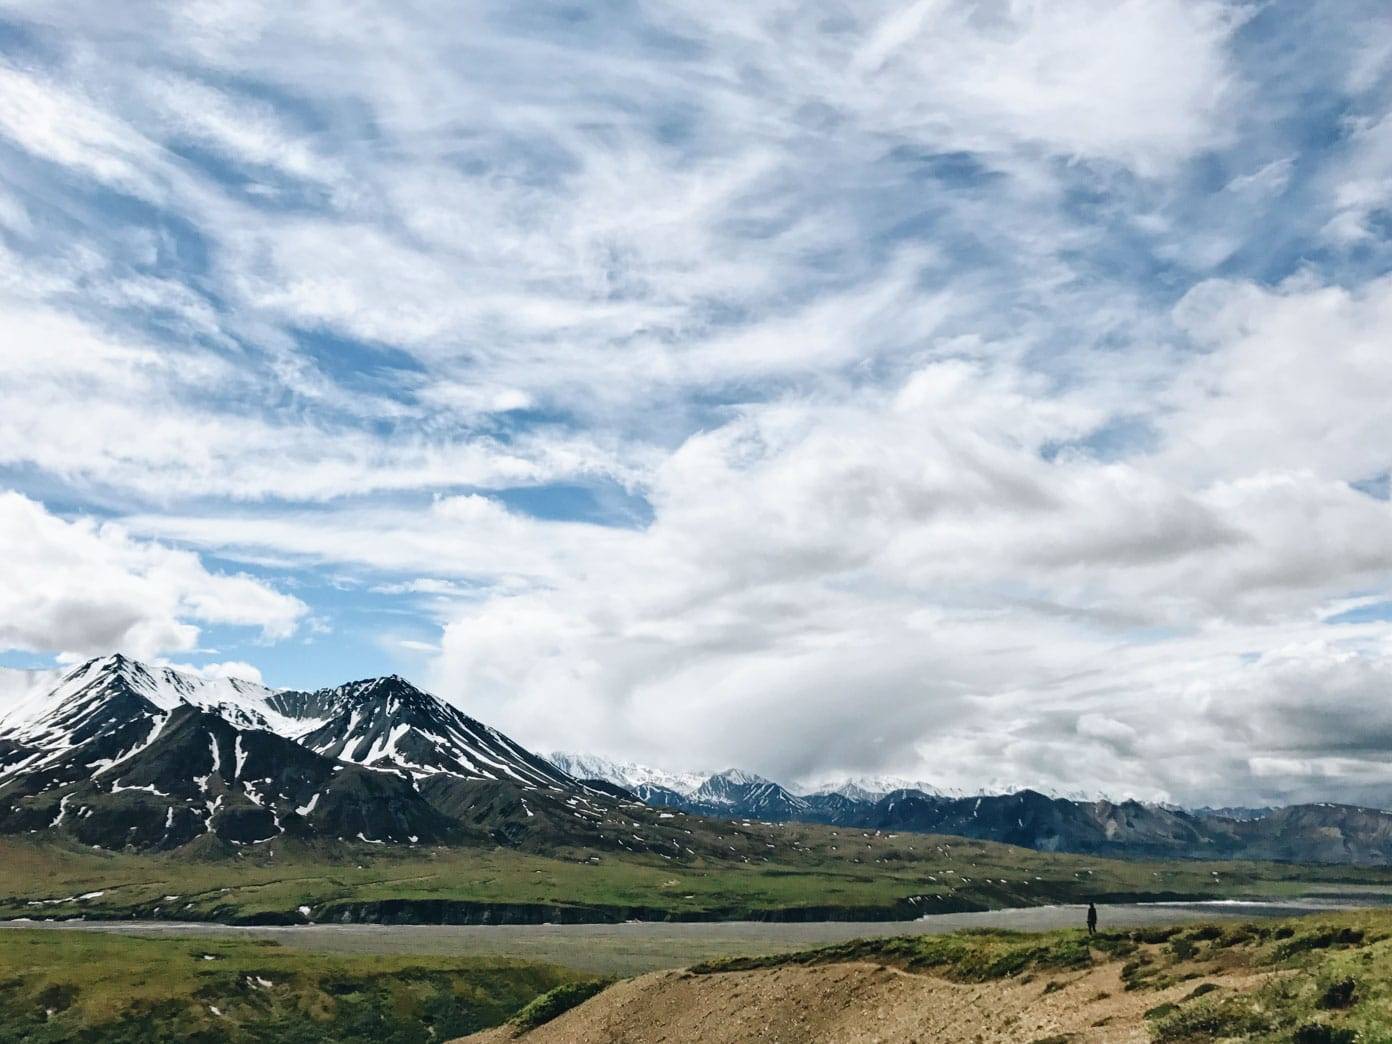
point(629, 949)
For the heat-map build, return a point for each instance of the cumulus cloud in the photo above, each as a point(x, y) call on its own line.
point(84, 588)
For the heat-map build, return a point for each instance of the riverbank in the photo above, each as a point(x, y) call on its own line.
point(635, 948)
point(867, 878)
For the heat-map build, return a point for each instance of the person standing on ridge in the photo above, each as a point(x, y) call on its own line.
point(1092, 919)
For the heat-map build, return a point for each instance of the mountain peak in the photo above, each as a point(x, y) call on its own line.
point(383, 685)
point(627, 774)
point(740, 777)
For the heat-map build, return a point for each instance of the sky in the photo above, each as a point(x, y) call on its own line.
point(995, 393)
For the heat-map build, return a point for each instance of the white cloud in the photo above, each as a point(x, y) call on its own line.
point(229, 669)
point(169, 423)
point(58, 124)
point(871, 304)
point(1364, 185)
point(898, 578)
point(82, 588)
point(1141, 83)
point(1294, 377)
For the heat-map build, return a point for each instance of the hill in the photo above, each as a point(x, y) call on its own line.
point(1308, 980)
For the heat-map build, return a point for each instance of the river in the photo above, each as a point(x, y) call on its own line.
point(629, 949)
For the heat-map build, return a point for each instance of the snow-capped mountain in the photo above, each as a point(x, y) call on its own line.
point(732, 794)
point(872, 788)
point(102, 712)
point(387, 723)
point(122, 755)
point(746, 795)
point(119, 753)
point(101, 707)
point(627, 774)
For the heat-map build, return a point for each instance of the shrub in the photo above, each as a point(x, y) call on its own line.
point(1319, 939)
point(1153, 934)
point(1337, 995)
point(556, 1003)
point(1182, 948)
point(1319, 1033)
point(1210, 1020)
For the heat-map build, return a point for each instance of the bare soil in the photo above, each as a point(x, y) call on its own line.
point(861, 1004)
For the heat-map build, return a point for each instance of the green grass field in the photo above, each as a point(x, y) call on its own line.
point(75, 986)
point(832, 874)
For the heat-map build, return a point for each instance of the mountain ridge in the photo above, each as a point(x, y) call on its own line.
point(123, 755)
point(1320, 832)
point(119, 754)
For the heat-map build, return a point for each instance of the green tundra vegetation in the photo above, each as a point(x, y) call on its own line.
point(61, 986)
point(816, 871)
point(1320, 979)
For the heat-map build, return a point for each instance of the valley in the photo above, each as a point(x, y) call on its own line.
point(1203, 975)
point(223, 847)
point(810, 873)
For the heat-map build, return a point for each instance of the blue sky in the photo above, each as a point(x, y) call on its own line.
point(987, 392)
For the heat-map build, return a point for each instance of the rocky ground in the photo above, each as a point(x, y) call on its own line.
point(1312, 980)
point(860, 1003)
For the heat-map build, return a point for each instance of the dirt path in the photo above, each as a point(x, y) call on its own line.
point(860, 1004)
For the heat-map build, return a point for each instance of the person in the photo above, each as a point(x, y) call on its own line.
point(1092, 919)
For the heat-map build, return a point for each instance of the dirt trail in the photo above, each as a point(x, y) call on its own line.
point(860, 1004)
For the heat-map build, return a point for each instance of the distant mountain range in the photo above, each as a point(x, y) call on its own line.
point(122, 755)
point(1300, 833)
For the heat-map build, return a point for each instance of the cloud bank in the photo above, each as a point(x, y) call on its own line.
point(991, 393)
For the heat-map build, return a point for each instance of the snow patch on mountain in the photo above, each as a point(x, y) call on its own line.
point(873, 788)
point(627, 774)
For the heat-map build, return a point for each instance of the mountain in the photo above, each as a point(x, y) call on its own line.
point(1035, 820)
point(1047, 822)
point(732, 794)
point(122, 755)
point(1323, 832)
point(743, 795)
point(872, 788)
point(119, 754)
point(389, 724)
point(627, 774)
point(655, 796)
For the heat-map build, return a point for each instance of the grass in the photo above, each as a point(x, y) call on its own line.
point(1319, 980)
point(976, 956)
point(555, 1003)
point(73, 986)
point(824, 873)
point(1326, 978)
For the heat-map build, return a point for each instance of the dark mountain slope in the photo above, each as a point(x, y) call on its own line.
point(201, 775)
point(388, 723)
